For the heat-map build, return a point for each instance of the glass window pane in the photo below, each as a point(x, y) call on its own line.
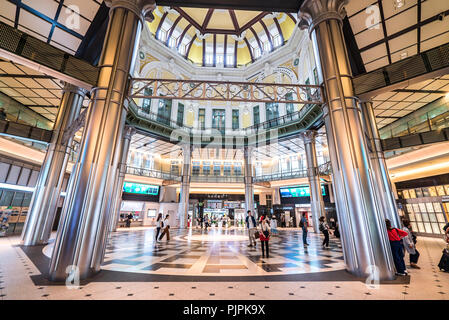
point(440, 218)
point(429, 207)
point(432, 217)
point(421, 227)
point(428, 228)
point(416, 208)
point(425, 217)
point(418, 217)
point(437, 207)
point(422, 207)
point(436, 228)
point(433, 192)
point(414, 226)
point(440, 191)
point(411, 216)
point(412, 193)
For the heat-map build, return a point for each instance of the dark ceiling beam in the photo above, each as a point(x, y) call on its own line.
point(225, 50)
point(418, 20)
point(268, 33)
point(53, 26)
point(252, 5)
point(26, 76)
point(291, 16)
point(249, 48)
point(206, 20)
point(257, 39)
point(234, 21)
point(384, 27)
point(442, 92)
point(406, 30)
point(278, 26)
point(188, 18)
point(254, 20)
point(190, 46)
point(173, 27)
point(388, 117)
point(181, 37)
point(236, 47)
point(160, 23)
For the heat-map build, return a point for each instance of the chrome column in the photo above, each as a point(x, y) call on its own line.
point(313, 174)
point(81, 237)
point(363, 232)
point(383, 184)
point(120, 179)
point(39, 223)
point(248, 179)
point(185, 186)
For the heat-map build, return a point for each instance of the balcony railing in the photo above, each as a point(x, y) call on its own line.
point(151, 173)
point(217, 179)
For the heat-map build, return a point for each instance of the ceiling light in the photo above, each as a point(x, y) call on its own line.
point(447, 96)
point(398, 3)
point(404, 55)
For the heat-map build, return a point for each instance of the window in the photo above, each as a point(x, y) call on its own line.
point(227, 168)
point(237, 168)
point(146, 105)
point(272, 110)
point(267, 46)
point(309, 92)
point(162, 35)
point(269, 200)
point(172, 42)
point(182, 49)
point(257, 53)
point(206, 168)
point(217, 168)
point(277, 41)
point(180, 117)
point(195, 167)
point(164, 111)
point(202, 119)
point(315, 75)
point(230, 60)
point(209, 59)
point(174, 168)
point(235, 119)
point(289, 106)
point(218, 119)
point(256, 114)
point(219, 59)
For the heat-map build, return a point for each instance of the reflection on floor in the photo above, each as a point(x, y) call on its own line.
point(191, 266)
point(219, 252)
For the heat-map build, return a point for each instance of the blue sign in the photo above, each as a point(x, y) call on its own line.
point(297, 192)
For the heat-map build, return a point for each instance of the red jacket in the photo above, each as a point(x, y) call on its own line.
point(396, 234)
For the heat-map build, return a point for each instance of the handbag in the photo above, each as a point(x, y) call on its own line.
point(256, 234)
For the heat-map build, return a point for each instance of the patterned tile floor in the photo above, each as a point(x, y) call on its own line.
point(219, 252)
point(214, 270)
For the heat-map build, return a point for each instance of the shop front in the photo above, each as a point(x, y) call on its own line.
point(425, 203)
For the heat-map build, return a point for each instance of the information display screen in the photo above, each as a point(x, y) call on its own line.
point(138, 188)
point(297, 192)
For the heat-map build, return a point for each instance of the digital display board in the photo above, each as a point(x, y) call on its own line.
point(297, 192)
point(138, 188)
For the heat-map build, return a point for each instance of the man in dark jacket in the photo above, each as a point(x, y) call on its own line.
point(251, 225)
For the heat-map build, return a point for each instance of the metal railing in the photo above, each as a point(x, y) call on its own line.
point(151, 173)
point(217, 179)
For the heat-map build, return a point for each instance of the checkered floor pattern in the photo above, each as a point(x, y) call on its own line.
point(197, 252)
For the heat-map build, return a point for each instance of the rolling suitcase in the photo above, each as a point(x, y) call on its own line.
point(444, 262)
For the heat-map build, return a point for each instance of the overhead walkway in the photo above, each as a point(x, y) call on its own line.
point(24, 130)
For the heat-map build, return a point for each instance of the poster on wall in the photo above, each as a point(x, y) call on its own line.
point(139, 188)
point(151, 213)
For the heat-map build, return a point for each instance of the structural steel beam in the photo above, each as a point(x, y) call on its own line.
point(225, 91)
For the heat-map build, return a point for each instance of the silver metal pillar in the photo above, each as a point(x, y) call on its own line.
point(248, 179)
point(383, 184)
point(81, 237)
point(39, 222)
point(363, 233)
point(120, 179)
point(313, 174)
point(185, 186)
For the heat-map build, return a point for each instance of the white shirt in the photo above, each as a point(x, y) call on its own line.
point(166, 223)
point(250, 223)
point(159, 223)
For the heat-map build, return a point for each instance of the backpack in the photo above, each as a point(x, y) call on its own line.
point(321, 227)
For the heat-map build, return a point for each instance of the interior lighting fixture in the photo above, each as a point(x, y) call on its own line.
point(398, 3)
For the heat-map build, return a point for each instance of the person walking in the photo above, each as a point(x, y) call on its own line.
point(410, 244)
point(264, 236)
point(159, 225)
point(206, 222)
point(324, 228)
point(3, 114)
point(395, 235)
point(129, 220)
point(166, 229)
point(337, 231)
point(304, 224)
point(274, 225)
point(251, 225)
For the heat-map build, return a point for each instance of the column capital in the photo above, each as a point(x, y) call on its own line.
point(68, 87)
point(309, 136)
point(313, 12)
point(129, 132)
point(142, 8)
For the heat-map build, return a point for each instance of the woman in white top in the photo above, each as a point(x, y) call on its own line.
point(159, 225)
point(264, 236)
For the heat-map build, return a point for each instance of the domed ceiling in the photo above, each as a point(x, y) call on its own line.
point(221, 37)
